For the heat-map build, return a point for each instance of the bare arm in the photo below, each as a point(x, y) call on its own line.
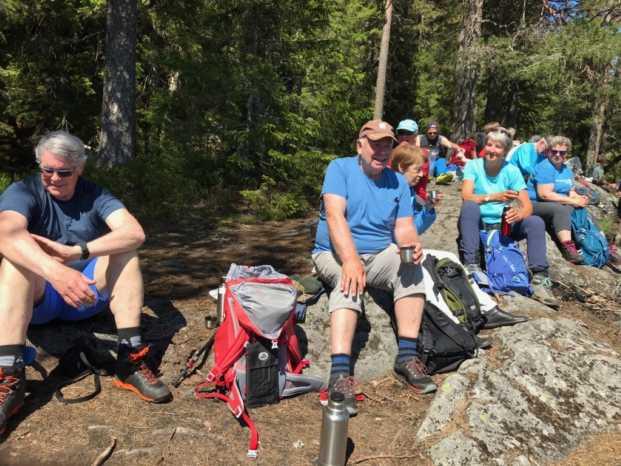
point(353, 276)
point(406, 236)
point(546, 192)
point(21, 248)
point(523, 209)
point(467, 194)
point(18, 246)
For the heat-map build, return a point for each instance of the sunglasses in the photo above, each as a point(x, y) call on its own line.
point(558, 152)
point(432, 132)
point(404, 132)
point(63, 173)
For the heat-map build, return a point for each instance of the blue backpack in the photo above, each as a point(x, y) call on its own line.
point(589, 239)
point(505, 264)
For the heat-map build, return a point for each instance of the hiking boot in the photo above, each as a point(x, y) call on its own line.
point(499, 318)
point(570, 252)
point(414, 373)
point(12, 392)
point(346, 385)
point(133, 374)
point(542, 284)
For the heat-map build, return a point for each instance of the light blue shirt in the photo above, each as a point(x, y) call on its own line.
point(546, 173)
point(373, 206)
point(508, 178)
point(525, 157)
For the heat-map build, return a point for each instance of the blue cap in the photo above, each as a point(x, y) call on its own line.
point(408, 125)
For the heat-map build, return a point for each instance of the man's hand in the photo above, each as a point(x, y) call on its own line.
point(59, 252)
point(73, 287)
point(417, 251)
point(577, 200)
point(353, 277)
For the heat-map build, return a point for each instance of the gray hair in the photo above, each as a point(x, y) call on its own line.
point(62, 144)
point(560, 141)
point(501, 137)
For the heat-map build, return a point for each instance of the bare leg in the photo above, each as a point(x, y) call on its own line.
point(342, 329)
point(19, 289)
point(564, 236)
point(121, 275)
point(409, 315)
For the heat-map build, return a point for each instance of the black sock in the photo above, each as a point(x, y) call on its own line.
point(10, 355)
point(407, 349)
point(340, 364)
point(130, 336)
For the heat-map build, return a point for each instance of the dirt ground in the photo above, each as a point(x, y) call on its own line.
point(182, 262)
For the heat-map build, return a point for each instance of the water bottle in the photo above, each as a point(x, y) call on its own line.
point(333, 447)
point(505, 227)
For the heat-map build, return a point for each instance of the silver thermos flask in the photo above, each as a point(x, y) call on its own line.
point(333, 447)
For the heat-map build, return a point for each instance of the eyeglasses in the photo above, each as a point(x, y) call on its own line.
point(558, 152)
point(63, 173)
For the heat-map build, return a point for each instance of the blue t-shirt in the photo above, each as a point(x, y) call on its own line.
point(373, 206)
point(508, 178)
point(81, 218)
point(525, 157)
point(424, 216)
point(546, 173)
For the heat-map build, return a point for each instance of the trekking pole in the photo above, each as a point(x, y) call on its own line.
point(196, 359)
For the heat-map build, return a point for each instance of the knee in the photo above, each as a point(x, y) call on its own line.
point(470, 208)
point(124, 258)
point(534, 223)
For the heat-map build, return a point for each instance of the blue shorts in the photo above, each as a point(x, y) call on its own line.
point(53, 306)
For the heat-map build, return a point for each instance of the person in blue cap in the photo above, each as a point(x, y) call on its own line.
point(407, 130)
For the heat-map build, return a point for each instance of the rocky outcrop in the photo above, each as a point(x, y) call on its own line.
point(531, 400)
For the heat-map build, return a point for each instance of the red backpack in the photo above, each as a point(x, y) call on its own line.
point(256, 351)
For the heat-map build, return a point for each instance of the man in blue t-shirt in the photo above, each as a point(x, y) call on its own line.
point(70, 251)
point(365, 209)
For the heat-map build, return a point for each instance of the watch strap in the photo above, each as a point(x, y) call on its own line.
point(85, 252)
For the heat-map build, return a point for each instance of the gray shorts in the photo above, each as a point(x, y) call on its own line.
point(384, 271)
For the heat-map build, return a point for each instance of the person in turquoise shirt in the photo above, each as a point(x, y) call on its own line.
point(554, 197)
point(489, 185)
point(528, 155)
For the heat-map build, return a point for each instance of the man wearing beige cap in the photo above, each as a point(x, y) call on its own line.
point(365, 209)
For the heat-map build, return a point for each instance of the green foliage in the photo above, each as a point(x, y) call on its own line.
point(249, 95)
point(5, 181)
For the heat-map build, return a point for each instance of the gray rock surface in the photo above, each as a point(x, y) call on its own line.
point(546, 387)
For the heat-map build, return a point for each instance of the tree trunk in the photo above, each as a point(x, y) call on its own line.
point(380, 86)
point(467, 72)
point(117, 137)
point(600, 107)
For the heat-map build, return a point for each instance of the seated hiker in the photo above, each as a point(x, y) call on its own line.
point(489, 185)
point(527, 155)
point(365, 206)
point(407, 160)
point(437, 145)
point(407, 132)
point(553, 191)
point(69, 251)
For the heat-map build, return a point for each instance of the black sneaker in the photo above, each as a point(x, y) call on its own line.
point(414, 373)
point(346, 385)
point(12, 392)
point(134, 375)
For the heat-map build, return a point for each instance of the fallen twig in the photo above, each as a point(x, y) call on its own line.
point(383, 457)
point(101, 459)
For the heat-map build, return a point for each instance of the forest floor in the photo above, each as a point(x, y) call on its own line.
point(182, 262)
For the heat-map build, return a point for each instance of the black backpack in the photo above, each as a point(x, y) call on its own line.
point(445, 344)
point(451, 281)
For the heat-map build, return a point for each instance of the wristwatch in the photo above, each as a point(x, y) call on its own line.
point(85, 252)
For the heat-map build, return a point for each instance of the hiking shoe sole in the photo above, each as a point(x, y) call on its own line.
point(429, 388)
point(125, 386)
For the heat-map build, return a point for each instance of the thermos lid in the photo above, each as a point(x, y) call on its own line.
point(337, 397)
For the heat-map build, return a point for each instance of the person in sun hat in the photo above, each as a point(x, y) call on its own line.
point(365, 218)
